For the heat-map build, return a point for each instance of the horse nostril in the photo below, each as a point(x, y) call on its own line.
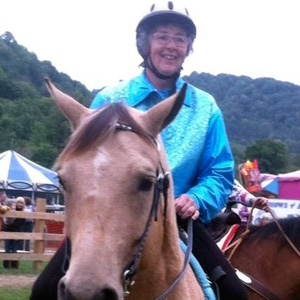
point(108, 294)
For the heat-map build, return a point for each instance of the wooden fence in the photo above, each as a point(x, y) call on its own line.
point(39, 236)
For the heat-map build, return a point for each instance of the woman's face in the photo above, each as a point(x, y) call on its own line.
point(19, 205)
point(168, 48)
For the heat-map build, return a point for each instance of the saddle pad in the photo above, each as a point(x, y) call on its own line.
point(200, 275)
point(227, 238)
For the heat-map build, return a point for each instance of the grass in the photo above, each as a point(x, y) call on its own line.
point(25, 268)
point(9, 293)
point(21, 292)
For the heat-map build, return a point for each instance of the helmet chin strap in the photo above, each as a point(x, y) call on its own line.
point(149, 64)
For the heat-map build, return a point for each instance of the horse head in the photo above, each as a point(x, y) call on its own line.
point(109, 172)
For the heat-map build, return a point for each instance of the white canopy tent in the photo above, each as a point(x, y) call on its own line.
point(19, 173)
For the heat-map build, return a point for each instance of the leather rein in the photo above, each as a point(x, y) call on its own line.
point(247, 279)
point(161, 186)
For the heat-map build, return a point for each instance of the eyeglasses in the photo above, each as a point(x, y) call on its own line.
point(162, 38)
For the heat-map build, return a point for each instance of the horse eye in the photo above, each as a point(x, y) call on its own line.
point(145, 185)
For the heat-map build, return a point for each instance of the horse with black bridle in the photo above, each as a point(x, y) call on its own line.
point(120, 216)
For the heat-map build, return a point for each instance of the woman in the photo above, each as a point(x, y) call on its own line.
point(196, 142)
point(29, 223)
point(13, 225)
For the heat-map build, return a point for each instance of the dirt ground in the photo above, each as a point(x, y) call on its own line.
point(17, 280)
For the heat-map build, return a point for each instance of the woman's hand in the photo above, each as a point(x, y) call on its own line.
point(186, 207)
point(261, 203)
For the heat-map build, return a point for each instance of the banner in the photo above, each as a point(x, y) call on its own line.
point(282, 208)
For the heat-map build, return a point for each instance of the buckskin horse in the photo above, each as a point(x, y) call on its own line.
point(269, 256)
point(120, 215)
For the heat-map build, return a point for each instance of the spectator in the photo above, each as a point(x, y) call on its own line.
point(28, 226)
point(13, 225)
point(240, 195)
point(3, 206)
point(264, 219)
point(244, 214)
point(3, 198)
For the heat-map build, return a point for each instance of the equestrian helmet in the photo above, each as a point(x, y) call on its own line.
point(164, 12)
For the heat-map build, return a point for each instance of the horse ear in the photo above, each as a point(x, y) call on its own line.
point(73, 110)
point(163, 113)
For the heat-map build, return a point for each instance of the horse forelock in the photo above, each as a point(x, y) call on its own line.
point(98, 127)
point(291, 227)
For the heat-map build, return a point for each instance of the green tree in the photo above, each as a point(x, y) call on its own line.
point(272, 156)
point(295, 162)
point(44, 154)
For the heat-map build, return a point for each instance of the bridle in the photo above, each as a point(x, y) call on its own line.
point(161, 186)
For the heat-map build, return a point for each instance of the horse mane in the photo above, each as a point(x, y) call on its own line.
point(99, 127)
point(291, 227)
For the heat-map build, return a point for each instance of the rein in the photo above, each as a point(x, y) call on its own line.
point(283, 233)
point(248, 280)
point(162, 184)
point(243, 235)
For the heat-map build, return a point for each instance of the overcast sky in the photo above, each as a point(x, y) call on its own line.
point(93, 41)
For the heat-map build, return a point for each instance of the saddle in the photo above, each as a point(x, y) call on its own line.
point(222, 224)
point(219, 227)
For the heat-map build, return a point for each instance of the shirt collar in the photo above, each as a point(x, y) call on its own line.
point(142, 87)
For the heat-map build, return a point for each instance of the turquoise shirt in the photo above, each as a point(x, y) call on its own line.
point(196, 142)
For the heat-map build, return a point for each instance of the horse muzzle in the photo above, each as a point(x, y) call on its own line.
point(69, 289)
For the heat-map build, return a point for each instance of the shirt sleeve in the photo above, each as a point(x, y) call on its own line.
point(216, 171)
point(241, 195)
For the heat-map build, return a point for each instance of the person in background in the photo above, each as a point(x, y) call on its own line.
point(196, 142)
point(3, 206)
point(13, 225)
point(244, 214)
point(264, 220)
point(240, 195)
point(3, 198)
point(29, 223)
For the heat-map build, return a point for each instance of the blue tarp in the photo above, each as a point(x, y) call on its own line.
point(271, 185)
point(19, 173)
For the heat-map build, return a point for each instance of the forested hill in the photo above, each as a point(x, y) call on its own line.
point(29, 120)
point(31, 124)
point(22, 74)
point(255, 109)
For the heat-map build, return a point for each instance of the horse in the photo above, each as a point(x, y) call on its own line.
point(268, 258)
point(124, 239)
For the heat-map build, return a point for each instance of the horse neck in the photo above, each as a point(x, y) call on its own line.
point(275, 266)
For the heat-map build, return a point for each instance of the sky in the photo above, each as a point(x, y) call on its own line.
point(93, 41)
